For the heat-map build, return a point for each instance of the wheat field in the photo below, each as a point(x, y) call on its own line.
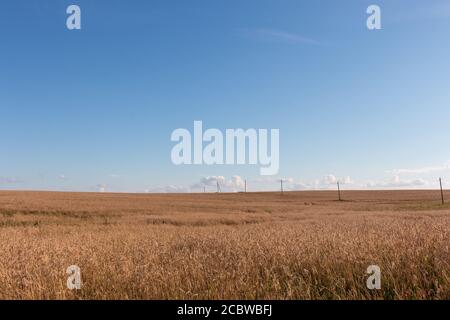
point(299, 245)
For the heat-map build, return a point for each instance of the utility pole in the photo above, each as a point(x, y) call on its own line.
point(339, 191)
point(245, 185)
point(281, 181)
point(218, 187)
point(442, 191)
point(204, 189)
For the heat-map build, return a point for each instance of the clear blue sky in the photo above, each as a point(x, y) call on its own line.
point(93, 109)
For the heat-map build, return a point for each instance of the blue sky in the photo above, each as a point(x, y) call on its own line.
point(93, 109)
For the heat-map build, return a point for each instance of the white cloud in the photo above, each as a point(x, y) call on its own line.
point(328, 182)
point(101, 188)
point(268, 180)
point(211, 181)
point(209, 184)
point(328, 179)
point(235, 184)
point(170, 189)
point(397, 182)
point(347, 180)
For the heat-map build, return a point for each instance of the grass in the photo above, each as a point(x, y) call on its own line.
point(228, 246)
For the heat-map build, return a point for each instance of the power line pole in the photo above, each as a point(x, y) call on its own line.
point(442, 191)
point(218, 187)
point(339, 191)
point(245, 185)
point(281, 181)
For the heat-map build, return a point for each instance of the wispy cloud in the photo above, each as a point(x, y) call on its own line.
point(10, 180)
point(325, 183)
point(169, 189)
point(397, 182)
point(273, 35)
point(423, 170)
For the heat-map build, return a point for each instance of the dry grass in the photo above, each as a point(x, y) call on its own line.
point(229, 246)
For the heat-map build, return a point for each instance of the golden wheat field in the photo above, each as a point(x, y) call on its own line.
point(299, 245)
